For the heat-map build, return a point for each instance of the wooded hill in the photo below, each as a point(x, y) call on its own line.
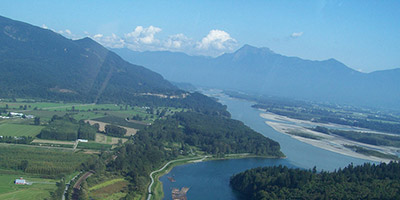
point(352, 182)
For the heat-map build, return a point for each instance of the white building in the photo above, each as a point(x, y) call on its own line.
point(20, 181)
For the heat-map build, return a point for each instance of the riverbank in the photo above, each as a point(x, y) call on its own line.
point(298, 130)
point(157, 186)
point(155, 189)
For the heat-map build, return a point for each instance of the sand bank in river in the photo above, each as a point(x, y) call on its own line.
point(332, 143)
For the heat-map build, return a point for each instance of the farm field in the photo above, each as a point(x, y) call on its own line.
point(111, 189)
point(40, 188)
point(104, 139)
point(18, 130)
point(35, 160)
point(94, 146)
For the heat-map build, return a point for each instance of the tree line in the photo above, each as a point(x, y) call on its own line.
point(368, 181)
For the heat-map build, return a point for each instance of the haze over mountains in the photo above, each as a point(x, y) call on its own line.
point(261, 71)
point(36, 62)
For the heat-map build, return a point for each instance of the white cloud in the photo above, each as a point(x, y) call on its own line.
point(112, 41)
point(296, 34)
point(143, 35)
point(68, 31)
point(44, 26)
point(217, 39)
point(145, 39)
point(98, 36)
point(177, 41)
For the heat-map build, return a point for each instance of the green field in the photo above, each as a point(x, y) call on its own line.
point(111, 189)
point(19, 130)
point(40, 188)
point(94, 146)
point(107, 183)
point(40, 160)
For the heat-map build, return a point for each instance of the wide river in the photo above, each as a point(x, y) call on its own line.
point(210, 179)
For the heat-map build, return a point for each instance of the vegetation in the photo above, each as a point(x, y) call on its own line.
point(182, 134)
point(368, 181)
point(115, 131)
point(378, 120)
point(363, 137)
point(60, 71)
point(109, 189)
point(40, 189)
point(369, 152)
point(94, 146)
point(304, 135)
point(36, 160)
point(19, 130)
point(119, 121)
point(16, 140)
point(67, 128)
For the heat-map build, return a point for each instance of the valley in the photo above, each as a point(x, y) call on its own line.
point(204, 105)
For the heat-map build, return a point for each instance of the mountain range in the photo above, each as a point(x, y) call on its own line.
point(39, 63)
point(263, 72)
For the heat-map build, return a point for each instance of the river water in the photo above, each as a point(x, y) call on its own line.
point(210, 180)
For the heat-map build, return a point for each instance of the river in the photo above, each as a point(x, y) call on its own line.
point(210, 180)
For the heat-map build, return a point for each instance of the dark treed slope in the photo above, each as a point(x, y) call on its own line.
point(36, 62)
point(261, 71)
point(359, 182)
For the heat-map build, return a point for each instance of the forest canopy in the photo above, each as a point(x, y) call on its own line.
point(368, 181)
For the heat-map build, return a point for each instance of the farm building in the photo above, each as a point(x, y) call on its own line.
point(20, 181)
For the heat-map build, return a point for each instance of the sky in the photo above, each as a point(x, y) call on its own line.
point(363, 34)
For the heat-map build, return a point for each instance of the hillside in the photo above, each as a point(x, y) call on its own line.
point(39, 63)
point(262, 71)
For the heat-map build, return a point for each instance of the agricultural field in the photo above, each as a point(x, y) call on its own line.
point(18, 130)
point(111, 189)
point(119, 121)
point(45, 110)
point(105, 139)
point(39, 160)
point(39, 189)
point(94, 146)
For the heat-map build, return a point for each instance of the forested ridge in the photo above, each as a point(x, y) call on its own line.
point(368, 181)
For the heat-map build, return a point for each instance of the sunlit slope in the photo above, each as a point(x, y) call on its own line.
point(36, 62)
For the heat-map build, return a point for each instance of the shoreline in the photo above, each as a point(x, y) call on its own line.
point(285, 125)
point(158, 185)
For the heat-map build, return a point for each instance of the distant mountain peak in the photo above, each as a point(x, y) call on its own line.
point(252, 49)
point(248, 50)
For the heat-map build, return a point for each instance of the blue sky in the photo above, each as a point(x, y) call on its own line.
point(362, 34)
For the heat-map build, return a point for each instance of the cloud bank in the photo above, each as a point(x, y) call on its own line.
point(215, 43)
